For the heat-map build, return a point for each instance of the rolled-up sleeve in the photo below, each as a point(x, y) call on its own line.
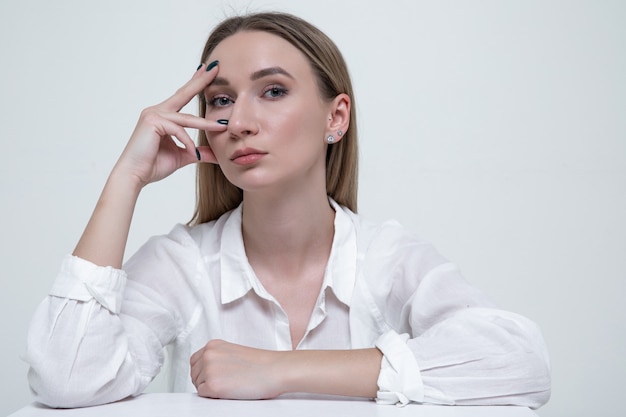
point(77, 347)
point(443, 341)
point(462, 353)
point(81, 280)
point(399, 381)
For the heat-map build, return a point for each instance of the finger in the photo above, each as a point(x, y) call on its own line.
point(195, 357)
point(200, 80)
point(206, 155)
point(188, 153)
point(179, 132)
point(197, 73)
point(194, 122)
point(194, 373)
point(202, 68)
point(197, 367)
point(202, 390)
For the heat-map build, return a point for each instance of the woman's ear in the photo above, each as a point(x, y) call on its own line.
point(339, 117)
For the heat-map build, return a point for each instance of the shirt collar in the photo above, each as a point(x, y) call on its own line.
point(341, 268)
point(237, 276)
point(236, 272)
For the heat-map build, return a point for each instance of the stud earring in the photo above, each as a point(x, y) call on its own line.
point(339, 132)
point(330, 139)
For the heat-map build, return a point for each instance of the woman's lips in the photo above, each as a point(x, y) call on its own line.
point(247, 156)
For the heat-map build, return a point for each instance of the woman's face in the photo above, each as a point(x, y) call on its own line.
point(277, 120)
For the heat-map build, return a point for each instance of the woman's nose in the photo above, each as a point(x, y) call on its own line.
point(243, 121)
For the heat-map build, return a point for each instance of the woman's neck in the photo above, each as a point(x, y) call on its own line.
point(287, 231)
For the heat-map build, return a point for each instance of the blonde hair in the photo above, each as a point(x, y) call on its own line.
point(215, 195)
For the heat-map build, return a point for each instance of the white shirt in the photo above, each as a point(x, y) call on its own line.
point(100, 334)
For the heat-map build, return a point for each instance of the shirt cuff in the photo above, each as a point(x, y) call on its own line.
point(82, 280)
point(399, 381)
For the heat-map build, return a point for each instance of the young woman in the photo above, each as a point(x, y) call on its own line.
point(276, 285)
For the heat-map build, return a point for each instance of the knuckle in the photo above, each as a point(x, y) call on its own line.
point(214, 346)
point(209, 357)
point(181, 90)
point(214, 343)
point(214, 388)
point(149, 115)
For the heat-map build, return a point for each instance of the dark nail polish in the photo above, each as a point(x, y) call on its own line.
point(222, 121)
point(199, 66)
point(212, 65)
point(198, 154)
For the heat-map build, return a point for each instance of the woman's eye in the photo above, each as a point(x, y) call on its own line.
point(275, 92)
point(219, 101)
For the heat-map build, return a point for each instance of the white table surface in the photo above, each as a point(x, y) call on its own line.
point(179, 405)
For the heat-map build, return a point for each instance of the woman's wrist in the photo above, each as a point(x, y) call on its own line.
point(125, 181)
point(333, 372)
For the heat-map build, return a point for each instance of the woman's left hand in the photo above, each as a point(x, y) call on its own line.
point(227, 370)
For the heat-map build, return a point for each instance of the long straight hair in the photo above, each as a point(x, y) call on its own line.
point(215, 195)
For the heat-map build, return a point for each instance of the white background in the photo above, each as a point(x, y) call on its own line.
point(495, 129)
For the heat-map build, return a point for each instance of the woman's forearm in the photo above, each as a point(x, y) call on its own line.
point(150, 155)
point(227, 370)
point(336, 372)
point(104, 240)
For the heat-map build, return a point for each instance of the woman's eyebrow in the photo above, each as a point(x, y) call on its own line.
point(269, 71)
point(221, 81)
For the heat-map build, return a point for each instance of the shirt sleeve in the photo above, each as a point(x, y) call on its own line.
point(444, 341)
point(399, 380)
point(490, 367)
point(86, 347)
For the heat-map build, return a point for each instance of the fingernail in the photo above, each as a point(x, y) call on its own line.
point(199, 66)
point(212, 65)
point(222, 121)
point(197, 154)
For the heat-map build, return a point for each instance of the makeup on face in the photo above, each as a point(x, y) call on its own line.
point(247, 156)
point(273, 91)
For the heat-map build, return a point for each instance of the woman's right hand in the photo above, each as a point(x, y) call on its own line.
point(151, 153)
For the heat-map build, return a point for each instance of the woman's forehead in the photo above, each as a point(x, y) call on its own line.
point(246, 54)
point(262, 48)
